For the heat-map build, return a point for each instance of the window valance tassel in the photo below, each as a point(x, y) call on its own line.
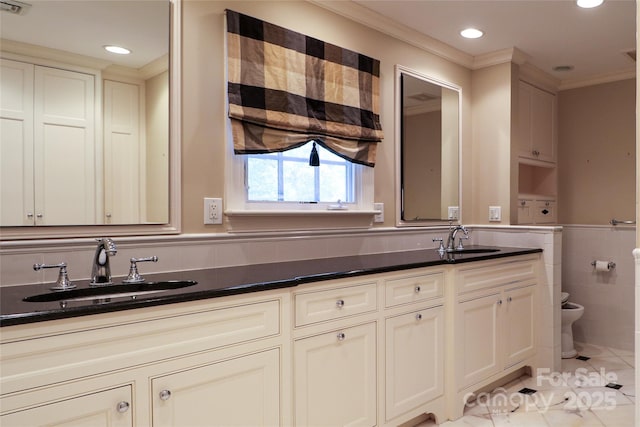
point(314, 159)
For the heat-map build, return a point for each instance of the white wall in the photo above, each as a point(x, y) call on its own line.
point(608, 297)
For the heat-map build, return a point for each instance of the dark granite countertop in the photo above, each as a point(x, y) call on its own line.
point(218, 282)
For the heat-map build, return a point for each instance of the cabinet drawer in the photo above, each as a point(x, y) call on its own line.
point(416, 288)
point(99, 407)
point(545, 212)
point(525, 211)
point(494, 274)
point(313, 307)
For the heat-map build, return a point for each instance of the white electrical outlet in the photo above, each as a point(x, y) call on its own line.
point(495, 213)
point(454, 212)
point(379, 208)
point(212, 210)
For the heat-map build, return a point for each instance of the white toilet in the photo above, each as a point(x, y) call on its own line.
point(570, 313)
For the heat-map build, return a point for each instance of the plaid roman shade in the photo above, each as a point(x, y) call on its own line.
point(286, 89)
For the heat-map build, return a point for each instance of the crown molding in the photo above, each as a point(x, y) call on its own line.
point(426, 107)
point(512, 54)
point(371, 19)
point(33, 51)
point(534, 75)
point(598, 79)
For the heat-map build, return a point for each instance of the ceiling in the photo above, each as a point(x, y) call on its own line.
point(85, 26)
point(548, 32)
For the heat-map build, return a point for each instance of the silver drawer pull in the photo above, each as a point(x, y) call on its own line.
point(122, 407)
point(165, 394)
point(417, 289)
point(418, 316)
point(341, 336)
point(340, 303)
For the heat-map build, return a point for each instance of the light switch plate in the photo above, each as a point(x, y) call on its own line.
point(379, 207)
point(495, 213)
point(454, 213)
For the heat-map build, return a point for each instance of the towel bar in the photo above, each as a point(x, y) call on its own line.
point(616, 222)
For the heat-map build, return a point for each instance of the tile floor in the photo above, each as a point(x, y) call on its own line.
point(576, 397)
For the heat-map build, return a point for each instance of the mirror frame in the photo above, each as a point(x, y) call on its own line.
point(399, 70)
point(173, 226)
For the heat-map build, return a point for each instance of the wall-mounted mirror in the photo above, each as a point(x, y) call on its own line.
point(428, 127)
point(89, 136)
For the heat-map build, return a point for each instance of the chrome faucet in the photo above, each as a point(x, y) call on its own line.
point(451, 240)
point(100, 270)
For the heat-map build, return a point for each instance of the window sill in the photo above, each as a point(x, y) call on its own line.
point(277, 220)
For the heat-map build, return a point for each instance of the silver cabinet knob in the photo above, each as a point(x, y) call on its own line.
point(418, 316)
point(340, 303)
point(417, 289)
point(341, 336)
point(509, 299)
point(499, 302)
point(165, 394)
point(29, 215)
point(122, 407)
point(39, 215)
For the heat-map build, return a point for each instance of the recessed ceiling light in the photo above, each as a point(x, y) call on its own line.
point(471, 33)
point(117, 49)
point(588, 4)
point(563, 68)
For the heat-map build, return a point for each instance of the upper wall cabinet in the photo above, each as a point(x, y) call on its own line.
point(48, 145)
point(537, 124)
point(537, 171)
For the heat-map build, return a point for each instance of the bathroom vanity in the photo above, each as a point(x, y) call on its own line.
point(369, 340)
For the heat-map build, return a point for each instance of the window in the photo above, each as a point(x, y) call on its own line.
point(287, 177)
point(279, 101)
point(284, 181)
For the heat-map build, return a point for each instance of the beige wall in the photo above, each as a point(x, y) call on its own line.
point(491, 148)
point(596, 153)
point(422, 165)
point(203, 115)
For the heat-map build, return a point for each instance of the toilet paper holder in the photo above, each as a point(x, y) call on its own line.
point(610, 265)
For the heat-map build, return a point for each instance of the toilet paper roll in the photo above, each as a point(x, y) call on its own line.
point(602, 266)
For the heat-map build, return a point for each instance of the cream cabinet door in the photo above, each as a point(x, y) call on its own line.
point(524, 120)
point(124, 154)
point(16, 143)
point(543, 136)
point(109, 408)
point(244, 391)
point(335, 378)
point(65, 161)
point(520, 320)
point(477, 338)
point(414, 360)
point(536, 123)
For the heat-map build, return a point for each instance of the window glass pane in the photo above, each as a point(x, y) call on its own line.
point(301, 152)
point(263, 179)
point(332, 183)
point(298, 182)
point(328, 156)
point(287, 177)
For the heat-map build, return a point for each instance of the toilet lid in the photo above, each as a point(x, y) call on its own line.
point(564, 296)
